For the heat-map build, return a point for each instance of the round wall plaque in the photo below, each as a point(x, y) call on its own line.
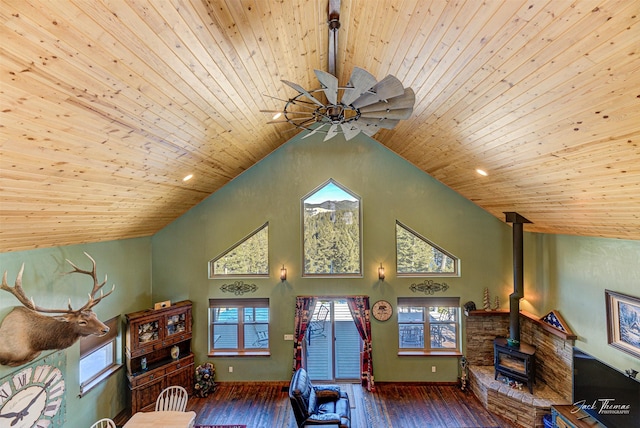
point(382, 310)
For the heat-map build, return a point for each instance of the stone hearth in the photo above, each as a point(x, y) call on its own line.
point(553, 367)
point(519, 406)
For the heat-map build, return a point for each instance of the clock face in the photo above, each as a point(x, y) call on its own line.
point(31, 397)
point(382, 310)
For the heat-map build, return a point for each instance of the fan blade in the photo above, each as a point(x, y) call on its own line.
point(369, 130)
point(378, 123)
point(307, 118)
point(389, 87)
point(303, 91)
point(314, 131)
point(308, 113)
point(333, 131)
point(359, 82)
point(407, 100)
point(350, 130)
point(329, 84)
point(296, 122)
point(402, 114)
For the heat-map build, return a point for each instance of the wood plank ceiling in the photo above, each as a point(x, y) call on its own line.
point(108, 104)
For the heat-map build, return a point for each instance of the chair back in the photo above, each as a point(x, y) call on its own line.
point(173, 398)
point(299, 394)
point(104, 423)
point(316, 327)
point(262, 336)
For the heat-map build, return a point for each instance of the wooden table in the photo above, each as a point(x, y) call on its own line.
point(161, 420)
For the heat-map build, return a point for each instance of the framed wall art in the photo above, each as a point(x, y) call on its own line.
point(623, 322)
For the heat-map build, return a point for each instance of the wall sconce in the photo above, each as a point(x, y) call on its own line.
point(381, 272)
point(283, 274)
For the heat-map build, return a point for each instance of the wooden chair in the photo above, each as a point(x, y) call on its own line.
point(104, 423)
point(173, 398)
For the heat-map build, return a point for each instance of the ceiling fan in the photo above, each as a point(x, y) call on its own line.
point(363, 105)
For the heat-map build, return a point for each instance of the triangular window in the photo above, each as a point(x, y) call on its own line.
point(249, 257)
point(417, 256)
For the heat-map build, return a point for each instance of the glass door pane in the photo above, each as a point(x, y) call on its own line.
point(348, 343)
point(333, 344)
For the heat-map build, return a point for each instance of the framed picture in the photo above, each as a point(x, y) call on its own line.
point(623, 322)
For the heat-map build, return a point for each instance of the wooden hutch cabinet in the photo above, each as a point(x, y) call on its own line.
point(151, 338)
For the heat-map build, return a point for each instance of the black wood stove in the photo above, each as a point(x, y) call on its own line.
point(516, 362)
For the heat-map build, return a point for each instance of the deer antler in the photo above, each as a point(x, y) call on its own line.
point(17, 290)
point(96, 286)
point(19, 294)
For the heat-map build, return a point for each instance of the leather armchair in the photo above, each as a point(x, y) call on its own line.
point(318, 405)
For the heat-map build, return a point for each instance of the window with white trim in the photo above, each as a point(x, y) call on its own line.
point(331, 220)
point(429, 325)
point(99, 356)
point(239, 326)
point(247, 258)
point(417, 256)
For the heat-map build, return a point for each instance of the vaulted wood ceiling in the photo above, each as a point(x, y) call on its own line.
point(107, 105)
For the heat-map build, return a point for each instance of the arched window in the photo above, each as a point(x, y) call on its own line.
point(331, 219)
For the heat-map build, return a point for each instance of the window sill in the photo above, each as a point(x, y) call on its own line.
point(240, 354)
point(424, 353)
point(84, 389)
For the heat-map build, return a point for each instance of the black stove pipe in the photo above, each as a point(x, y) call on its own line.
point(518, 273)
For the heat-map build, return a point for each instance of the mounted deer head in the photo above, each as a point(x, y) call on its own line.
point(24, 332)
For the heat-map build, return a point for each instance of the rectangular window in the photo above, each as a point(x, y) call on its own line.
point(99, 356)
point(239, 326)
point(429, 325)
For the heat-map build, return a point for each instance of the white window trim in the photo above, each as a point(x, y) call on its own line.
point(90, 344)
point(426, 302)
point(241, 304)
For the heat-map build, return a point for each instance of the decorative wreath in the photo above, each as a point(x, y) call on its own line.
point(205, 373)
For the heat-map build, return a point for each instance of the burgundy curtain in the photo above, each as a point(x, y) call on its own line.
point(359, 306)
point(304, 311)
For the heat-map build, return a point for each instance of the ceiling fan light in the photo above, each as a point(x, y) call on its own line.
point(383, 105)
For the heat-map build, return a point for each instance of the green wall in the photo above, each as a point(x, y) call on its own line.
point(565, 273)
point(573, 273)
point(127, 264)
point(390, 189)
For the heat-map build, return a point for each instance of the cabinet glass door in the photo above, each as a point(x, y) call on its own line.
point(148, 332)
point(176, 324)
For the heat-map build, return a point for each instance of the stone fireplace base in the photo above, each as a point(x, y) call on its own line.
point(518, 406)
point(553, 374)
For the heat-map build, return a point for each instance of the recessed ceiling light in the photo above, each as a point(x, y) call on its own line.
point(277, 116)
point(188, 177)
point(482, 172)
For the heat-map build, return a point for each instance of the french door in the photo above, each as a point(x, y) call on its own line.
point(332, 343)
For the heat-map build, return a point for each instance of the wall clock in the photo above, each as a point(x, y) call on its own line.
point(382, 310)
point(34, 395)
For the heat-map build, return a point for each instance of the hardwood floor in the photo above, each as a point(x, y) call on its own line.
point(392, 405)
